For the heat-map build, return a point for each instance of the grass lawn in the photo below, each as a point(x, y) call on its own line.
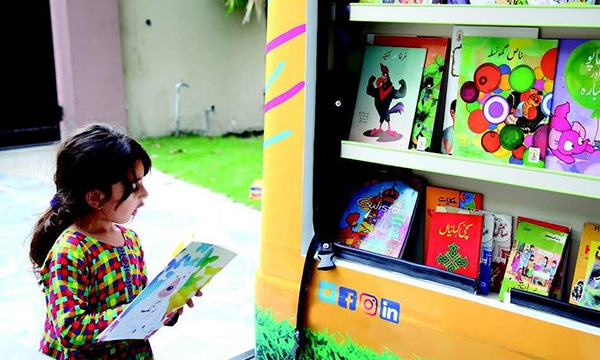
point(227, 165)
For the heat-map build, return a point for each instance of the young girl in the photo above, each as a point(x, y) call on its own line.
point(89, 266)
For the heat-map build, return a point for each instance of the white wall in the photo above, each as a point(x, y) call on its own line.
point(192, 41)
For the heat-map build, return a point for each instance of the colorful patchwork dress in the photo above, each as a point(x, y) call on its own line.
point(87, 284)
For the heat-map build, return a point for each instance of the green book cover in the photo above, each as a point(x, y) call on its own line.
point(534, 259)
point(505, 90)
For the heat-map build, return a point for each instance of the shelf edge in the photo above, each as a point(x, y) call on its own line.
point(497, 15)
point(521, 176)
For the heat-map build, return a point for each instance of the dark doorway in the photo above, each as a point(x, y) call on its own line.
point(31, 112)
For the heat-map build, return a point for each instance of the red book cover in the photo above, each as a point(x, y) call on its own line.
point(455, 243)
point(438, 196)
point(435, 65)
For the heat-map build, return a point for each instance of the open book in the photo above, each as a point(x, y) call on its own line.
point(186, 273)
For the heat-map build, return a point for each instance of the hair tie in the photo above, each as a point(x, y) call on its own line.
point(55, 202)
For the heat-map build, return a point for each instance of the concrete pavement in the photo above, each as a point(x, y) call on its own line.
point(220, 326)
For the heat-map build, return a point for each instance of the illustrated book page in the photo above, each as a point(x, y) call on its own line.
point(505, 94)
point(574, 128)
point(535, 258)
point(387, 95)
point(189, 271)
point(379, 216)
point(429, 93)
point(591, 289)
point(455, 243)
point(454, 58)
point(591, 232)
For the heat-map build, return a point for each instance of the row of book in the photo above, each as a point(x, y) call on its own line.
point(499, 94)
point(499, 252)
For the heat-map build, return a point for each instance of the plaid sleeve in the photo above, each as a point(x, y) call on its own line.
point(70, 315)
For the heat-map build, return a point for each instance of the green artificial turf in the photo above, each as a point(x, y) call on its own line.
point(227, 165)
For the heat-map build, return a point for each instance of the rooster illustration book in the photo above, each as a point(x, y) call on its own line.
point(383, 91)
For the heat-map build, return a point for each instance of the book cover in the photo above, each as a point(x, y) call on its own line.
point(505, 94)
point(379, 216)
point(487, 246)
point(438, 196)
point(558, 270)
point(534, 259)
point(387, 95)
point(502, 242)
point(591, 289)
point(455, 243)
point(431, 82)
point(454, 59)
point(530, 2)
point(574, 127)
point(590, 232)
point(558, 284)
point(189, 271)
point(416, 2)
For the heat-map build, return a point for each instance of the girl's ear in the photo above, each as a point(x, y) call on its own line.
point(95, 198)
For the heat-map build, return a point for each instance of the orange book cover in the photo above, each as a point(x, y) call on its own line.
point(591, 232)
point(455, 243)
point(438, 196)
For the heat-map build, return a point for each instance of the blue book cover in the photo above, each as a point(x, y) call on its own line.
point(379, 216)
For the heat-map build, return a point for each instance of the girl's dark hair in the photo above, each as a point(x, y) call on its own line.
point(93, 158)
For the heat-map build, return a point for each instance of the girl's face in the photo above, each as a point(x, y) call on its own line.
point(125, 211)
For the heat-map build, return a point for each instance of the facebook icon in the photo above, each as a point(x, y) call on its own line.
point(347, 298)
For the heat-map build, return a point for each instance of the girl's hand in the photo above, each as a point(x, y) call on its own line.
point(172, 319)
point(190, 302)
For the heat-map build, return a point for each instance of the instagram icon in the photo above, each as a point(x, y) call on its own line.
point(369, 303)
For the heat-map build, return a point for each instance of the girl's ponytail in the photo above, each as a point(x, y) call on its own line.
point(47, 229)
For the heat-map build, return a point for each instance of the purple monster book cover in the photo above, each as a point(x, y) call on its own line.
point(388, 92)
point(380, 214)
point(574, 128)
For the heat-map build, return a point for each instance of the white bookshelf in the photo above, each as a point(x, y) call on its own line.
point(499, 15)
point(521, 176)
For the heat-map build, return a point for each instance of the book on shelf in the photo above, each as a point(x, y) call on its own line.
point(387, 95)
point(431, 83)
point(454, 59)
point(502, 242)
point(455, 243)
point(560, 269)
point(496, 246)
point(487, 245)
point(581, 276)
point(574, 127)
point(591, 289)
point(439, 196)
point(504, 99)
point(529, 2)
point(189, 271)
point(535, 257)
point(414, 2)
point(558, 283)
point(379, 215)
